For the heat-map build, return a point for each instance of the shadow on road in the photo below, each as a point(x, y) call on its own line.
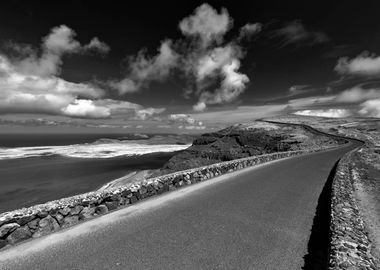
point(318, 245)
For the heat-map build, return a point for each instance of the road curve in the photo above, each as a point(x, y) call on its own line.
point(257, 218)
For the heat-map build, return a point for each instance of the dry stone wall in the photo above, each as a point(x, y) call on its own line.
point(20, 225)
point(350, 247)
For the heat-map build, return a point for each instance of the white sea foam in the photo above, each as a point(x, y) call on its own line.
point(91, 150)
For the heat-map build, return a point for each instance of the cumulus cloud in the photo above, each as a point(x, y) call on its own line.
point(220, 63)
point(86, 109)
point(232, 85)
point(206, 24)
point(143, 114)
point(215, 65)
point(330, 113)
point(296, 33)
point(131, 111)
point(364, 64)
point(21, 93)
point(97, 46)
point(30, 83)
point(371, 108)
point(200, 106)
point(124, 86)
point(143, 69)
point(357, 94)
point(210, 64)
point(60, 41)
point(181, 118)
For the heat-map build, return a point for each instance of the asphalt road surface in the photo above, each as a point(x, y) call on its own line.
point(257, 218)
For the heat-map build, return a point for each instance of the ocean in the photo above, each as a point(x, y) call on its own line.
point(42, 167)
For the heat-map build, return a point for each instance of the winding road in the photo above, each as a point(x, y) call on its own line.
point(256, 218)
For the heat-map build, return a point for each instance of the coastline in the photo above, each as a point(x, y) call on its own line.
point(128, 179)
point(30, 181)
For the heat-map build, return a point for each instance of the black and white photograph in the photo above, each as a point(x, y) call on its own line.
point(190, 135)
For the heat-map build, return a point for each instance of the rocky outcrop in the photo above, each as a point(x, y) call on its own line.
point(43, 219)
point(350, 246)
point(241, 141)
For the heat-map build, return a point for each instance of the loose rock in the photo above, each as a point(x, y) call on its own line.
point(101, 209)
point(112, 205)
point(86, 213)
point(70, 221)
point(76, 210)
point(8, 228)
point(19, 235)
point(46, 226)
point(25, 219)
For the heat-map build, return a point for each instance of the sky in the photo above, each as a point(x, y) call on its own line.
point(188, 67)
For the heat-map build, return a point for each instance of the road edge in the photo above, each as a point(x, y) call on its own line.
point(350, 245)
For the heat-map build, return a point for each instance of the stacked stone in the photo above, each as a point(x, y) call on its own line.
point(350, 247)
point(19, 225)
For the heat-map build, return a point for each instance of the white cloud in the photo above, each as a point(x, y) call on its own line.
point(124, 86)
point(214, 60)
point(143, 114)
point(59, 42)
point(310, 101)
point(357, 94)
point(97, 45)
point(296, 33)
point(183, 118)
point(238, 115)
point(296, 89)
point(23, 90)
point(249, 29)
point(158, 67)
point(331, 113)
point(143, 69)
point(371, 108)
point(233, 84)
point(30, 84)
point(118, 106)
point(206, 24)
point(364, 64)
point(218, 63)
point(195, 127)
point(211, 66)
point(200, 106)
point(86, 109)
point(30, 93)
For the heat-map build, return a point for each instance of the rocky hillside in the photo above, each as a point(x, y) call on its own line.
point(244, 140)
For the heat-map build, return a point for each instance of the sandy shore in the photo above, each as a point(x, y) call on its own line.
point(130, 178)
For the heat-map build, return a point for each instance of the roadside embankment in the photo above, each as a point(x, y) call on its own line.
point(350, 246)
